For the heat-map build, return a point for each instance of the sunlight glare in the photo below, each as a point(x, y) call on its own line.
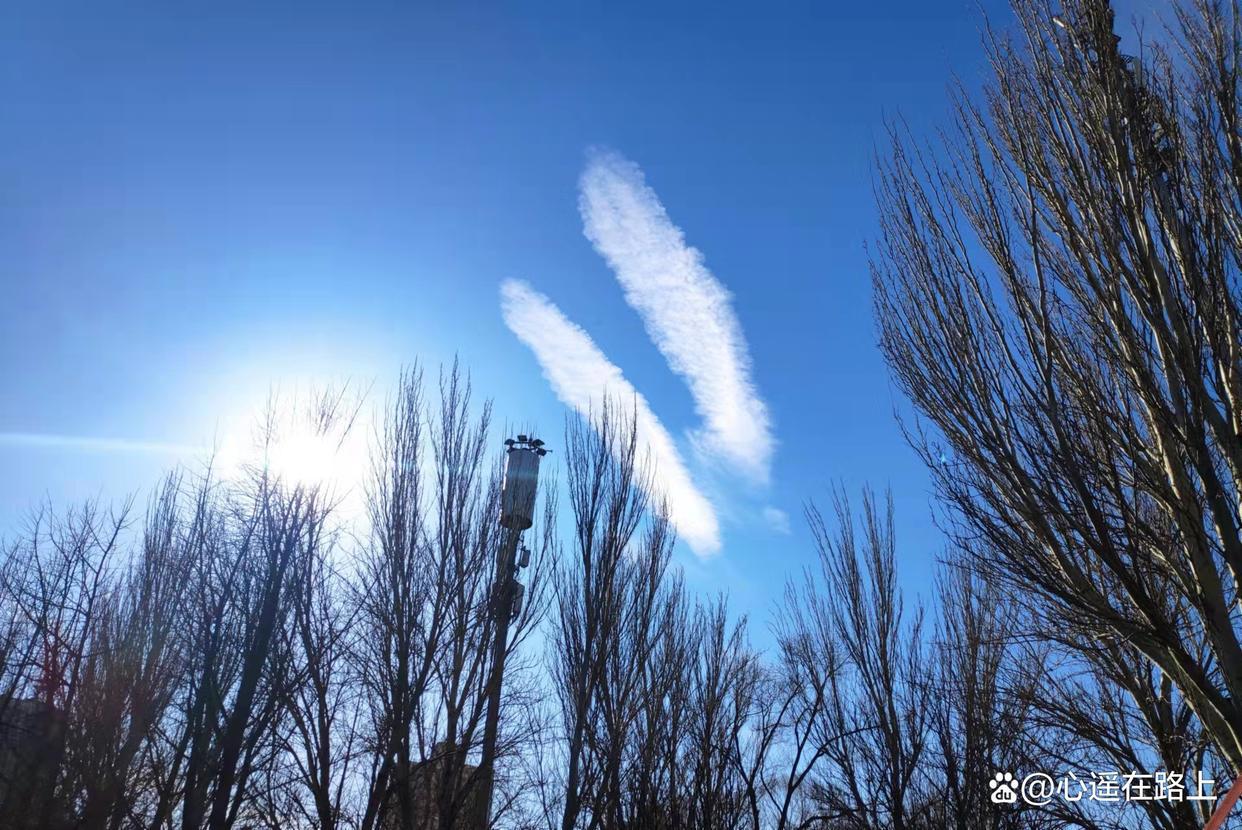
point(296, 444)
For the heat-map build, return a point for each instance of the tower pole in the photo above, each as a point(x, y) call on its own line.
point(502, 609)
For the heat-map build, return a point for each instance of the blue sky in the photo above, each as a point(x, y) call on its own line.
point(203, 201)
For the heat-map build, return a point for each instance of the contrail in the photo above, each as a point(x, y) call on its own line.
point(687, 311)
point(88, 443)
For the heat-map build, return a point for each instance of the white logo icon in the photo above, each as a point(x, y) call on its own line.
point(1003, 791)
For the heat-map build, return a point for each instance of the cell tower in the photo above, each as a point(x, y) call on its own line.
point(517, 513)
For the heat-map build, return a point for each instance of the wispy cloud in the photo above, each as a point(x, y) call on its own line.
point(778, 520)
point(91, 444)
point(687, 312)
point(582, 376)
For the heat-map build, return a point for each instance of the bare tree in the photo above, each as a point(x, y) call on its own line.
point(399, 624)
point(656, 691)
point(661, 642)
point(723, 685)
point(133, 667)
point(57, 590)
point(249, 652)
point(423, 614)
point(983, 693)
point(1058, 294)
point(796, 725)
point(606, 483)
point(247, 541)
point(1096, 704)
point(873, 733)
point(321, 740)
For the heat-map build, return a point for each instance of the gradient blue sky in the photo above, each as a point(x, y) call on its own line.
point(203, 200)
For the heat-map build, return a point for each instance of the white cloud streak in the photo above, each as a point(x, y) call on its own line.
point(582, 377)
point(687, 312)
point(89, 444)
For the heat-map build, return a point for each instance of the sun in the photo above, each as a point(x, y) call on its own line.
point(310, 458)
point(310, 442)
